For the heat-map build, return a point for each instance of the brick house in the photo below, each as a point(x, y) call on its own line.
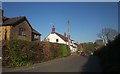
point(18, 28)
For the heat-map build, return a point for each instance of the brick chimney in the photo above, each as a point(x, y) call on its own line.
point(64, 34)
point(53, 30)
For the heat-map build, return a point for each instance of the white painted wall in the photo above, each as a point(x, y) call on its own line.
point(53, 37)
point(73, 49)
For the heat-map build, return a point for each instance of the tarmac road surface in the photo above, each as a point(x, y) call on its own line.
point(67, 64)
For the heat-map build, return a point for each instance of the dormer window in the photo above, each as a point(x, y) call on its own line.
point(22, 32)
point(57, 40)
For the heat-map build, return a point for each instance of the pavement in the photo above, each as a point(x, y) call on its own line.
point(67, 64)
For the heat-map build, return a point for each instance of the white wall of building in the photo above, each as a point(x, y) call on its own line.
point(53, 37)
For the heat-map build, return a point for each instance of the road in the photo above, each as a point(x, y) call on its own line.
point(68, 64)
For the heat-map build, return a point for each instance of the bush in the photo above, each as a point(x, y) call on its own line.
point(18, 53)
point(59, 50)
point(109, 56)
point(38, 52)
point(46, 51)
point(64, 50)
point(21, 53)
point(88, 47)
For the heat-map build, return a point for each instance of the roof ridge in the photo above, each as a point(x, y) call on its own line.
point(17, 17)
point(61, 36)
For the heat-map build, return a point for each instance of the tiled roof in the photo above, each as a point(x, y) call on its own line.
point(62, 37)
point(4, 18)
point(12, 21)
point(36, 32)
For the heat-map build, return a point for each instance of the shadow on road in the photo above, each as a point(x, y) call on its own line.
point(92, 65)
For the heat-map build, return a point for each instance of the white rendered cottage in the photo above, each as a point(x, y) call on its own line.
point(55, 37)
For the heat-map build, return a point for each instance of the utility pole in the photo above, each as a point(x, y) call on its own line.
point(68, 33)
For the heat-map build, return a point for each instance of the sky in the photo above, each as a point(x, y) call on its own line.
point(86, 18)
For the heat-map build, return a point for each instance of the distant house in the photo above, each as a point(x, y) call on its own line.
point(55, 37)
point(99, 42)
point(18, 28)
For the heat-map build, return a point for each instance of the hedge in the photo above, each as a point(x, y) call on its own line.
point(110, 56)
point(18, 53)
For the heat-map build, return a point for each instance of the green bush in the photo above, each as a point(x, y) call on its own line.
point(22, 53)
point(18, 53)
point(64, 50)
point(88, 47)
point(59, 50)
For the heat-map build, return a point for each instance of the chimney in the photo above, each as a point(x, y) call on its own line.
point(1, 12)
point(53, 30)
point(64, 34)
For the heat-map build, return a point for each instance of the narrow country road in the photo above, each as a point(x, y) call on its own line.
point(68, 64)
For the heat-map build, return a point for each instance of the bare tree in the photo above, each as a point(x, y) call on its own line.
point(107, 34)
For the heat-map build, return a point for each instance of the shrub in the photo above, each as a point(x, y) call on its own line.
point(59, 50)
point(65, 51)
point(37, 50)
point(18, 53)
point(22, 53)
point(88, 47)
point(109, 56)
point(46, 51)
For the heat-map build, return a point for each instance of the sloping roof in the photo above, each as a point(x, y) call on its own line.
point(4, 18)
point(62, 37)
point(12, 21)
point(15, 20)
point(35, 32)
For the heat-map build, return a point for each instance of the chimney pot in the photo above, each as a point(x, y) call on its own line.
point(53, 30)
point(64, 34)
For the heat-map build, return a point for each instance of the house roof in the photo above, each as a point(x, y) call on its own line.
point(62, 37)
point(35, 32)
point(4, 18)
point(15, 20)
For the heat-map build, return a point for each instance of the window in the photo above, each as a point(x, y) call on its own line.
point(21, 31)
point(57, 40)
point(36, 37)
